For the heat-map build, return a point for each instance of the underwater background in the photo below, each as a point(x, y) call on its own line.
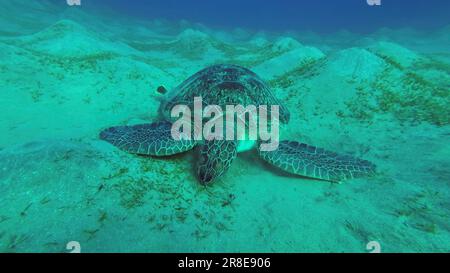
point(370, 81)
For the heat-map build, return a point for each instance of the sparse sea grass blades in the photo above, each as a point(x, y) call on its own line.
point(87, 162)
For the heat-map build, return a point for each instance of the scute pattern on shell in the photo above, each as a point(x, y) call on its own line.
point(224, 85)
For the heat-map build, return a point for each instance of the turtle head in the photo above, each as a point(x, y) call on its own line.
point(160, 93)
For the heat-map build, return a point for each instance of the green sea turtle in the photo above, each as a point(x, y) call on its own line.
point(230, 85)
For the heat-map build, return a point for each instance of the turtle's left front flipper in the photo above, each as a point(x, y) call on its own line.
point(215, 159)
point(302, 159)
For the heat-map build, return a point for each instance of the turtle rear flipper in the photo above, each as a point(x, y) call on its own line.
point(302, 159)
point(147, 139)
point(215, 159)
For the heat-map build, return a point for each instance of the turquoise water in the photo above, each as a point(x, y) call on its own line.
point(68, 72)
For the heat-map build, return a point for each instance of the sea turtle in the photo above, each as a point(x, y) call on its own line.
point(230, 85)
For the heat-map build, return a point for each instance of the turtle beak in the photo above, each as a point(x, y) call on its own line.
point(205, 178)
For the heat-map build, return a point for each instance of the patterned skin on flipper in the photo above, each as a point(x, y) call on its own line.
point(302, 159)
point(146, 139)
point(216, 157)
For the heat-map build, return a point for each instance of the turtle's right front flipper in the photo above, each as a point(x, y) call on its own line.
point(302, 159)
point(147, 139)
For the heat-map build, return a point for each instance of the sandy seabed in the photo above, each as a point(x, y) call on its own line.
point(67, 74)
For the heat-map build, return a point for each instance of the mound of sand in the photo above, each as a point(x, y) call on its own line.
point(260, 39)
point(383, 101)
point(194, 45)
point(69, 39)
point(286, 44)
point(287, 62)
point(395, 54)
point(355, 64)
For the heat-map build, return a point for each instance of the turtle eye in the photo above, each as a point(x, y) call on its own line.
point(161, 90)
